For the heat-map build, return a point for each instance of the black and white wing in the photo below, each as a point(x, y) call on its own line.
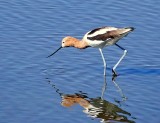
point(107, 33)
point(101, 34)
point(104, 36)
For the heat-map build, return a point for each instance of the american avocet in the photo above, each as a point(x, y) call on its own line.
point(99, 38)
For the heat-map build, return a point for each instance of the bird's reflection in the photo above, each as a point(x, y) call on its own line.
point(95, 107)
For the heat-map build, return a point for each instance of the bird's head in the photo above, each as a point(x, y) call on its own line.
point(66, 42)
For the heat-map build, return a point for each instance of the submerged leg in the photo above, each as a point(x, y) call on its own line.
point(115, 66)
point(104, 62)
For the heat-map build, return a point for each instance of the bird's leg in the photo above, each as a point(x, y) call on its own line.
point(115, 66)
point(104, 62)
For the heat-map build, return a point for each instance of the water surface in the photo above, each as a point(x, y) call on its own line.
point(33, 88)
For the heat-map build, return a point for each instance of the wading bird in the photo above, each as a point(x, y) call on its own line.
point(99, 38)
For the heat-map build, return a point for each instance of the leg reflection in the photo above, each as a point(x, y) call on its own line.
point(104, 87)
point(119, 89)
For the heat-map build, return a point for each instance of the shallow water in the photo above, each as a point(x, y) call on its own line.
point(70, 87)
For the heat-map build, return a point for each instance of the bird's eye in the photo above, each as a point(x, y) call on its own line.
point(63, 42)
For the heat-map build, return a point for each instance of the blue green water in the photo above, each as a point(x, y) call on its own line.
point(32, 87)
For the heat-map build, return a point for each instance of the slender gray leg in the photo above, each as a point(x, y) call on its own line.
point(104, 62)
point(115, 66)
